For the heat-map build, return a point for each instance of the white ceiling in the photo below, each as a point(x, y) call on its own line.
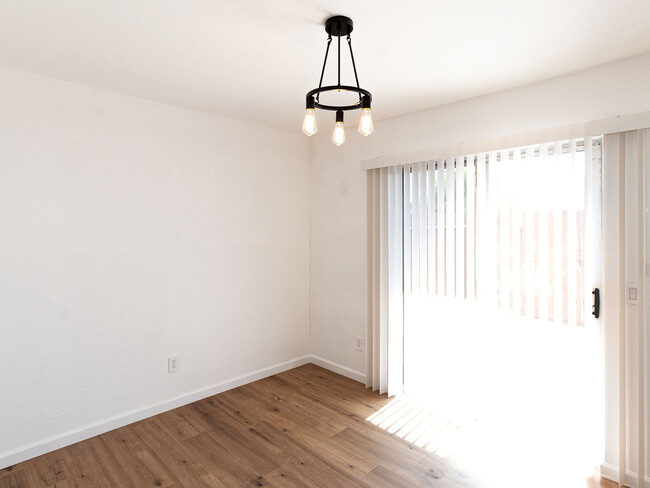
point(255, 60)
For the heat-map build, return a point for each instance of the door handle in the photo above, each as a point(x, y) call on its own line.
point(596, 307)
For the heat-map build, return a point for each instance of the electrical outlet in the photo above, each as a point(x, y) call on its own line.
point(172, 364)
point(359, 344)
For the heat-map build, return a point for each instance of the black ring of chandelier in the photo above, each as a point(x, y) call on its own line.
point(331, 88)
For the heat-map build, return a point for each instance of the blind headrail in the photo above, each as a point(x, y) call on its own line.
point(606, 125)
point(521, 152)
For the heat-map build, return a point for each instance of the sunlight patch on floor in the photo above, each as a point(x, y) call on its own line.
point(420, 426)
point(493, 455)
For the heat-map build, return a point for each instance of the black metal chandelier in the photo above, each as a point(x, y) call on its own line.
point(338, 26)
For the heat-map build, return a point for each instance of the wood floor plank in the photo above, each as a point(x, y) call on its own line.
point(184, 468)
point(244, 409)
point(275, 403)
point(330, 382)
point(82, 470)
point(10, 470)
point(137, 463)
point(241, 441)
point(310, 435)
point(358, 401)
point(228, 468)
point(287, 477)
point(318, 415)
point(174, 424)
point(333, 451)
point(15, 479)
point(48, 469)
point(400, 460)
point(382, 477)
point(312, 465)
point(91, 467)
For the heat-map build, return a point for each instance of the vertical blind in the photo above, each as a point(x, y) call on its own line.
point(505, 228)
point(627, 252)
point(384, 336)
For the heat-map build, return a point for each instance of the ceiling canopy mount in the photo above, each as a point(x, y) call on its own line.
point(339, 26)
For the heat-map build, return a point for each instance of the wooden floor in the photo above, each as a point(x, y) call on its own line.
point(301, 428)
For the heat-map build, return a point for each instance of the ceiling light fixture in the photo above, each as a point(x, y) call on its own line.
point(338, 26)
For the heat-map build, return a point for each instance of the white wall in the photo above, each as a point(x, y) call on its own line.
point(131, 230)
point(338, 257)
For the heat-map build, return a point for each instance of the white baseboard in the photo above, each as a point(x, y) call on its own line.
point(610, 471)
point(9, 458)
point(337, 368)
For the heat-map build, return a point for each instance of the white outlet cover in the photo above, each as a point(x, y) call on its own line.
point(172, 364)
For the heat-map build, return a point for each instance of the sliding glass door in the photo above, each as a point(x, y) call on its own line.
point(501, 254)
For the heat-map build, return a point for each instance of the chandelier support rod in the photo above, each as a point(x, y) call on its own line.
point(354, 66)
point(320, 83)
point(339, 70)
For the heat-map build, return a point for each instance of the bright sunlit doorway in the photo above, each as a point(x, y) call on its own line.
point(501, 253)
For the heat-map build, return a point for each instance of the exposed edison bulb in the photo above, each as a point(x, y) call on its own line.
point(365, 123)
point(309, 126)
point(338, 136)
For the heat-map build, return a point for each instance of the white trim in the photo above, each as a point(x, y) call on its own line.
point(608, 125)
point(9, 458)
point(610, 471)
point(338, 368)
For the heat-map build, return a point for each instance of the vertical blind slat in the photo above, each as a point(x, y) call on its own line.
point(481, 248)
point(529, 238)
point(491, 234)
point(395, 327)
point(557, 239)
point(370, 278)
point(460, 228)
point(449, 229)
point(470, 241)
point(376, 292)
point(440, 222)
point(588, 229)
point(504, 234)
point(406, 219)
point(423, 247)
point(571, 241)
point(431, 230)
point(543, 274)
point(515, 176)
point(415, 230)
point(641, 322)
point(382, 356)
